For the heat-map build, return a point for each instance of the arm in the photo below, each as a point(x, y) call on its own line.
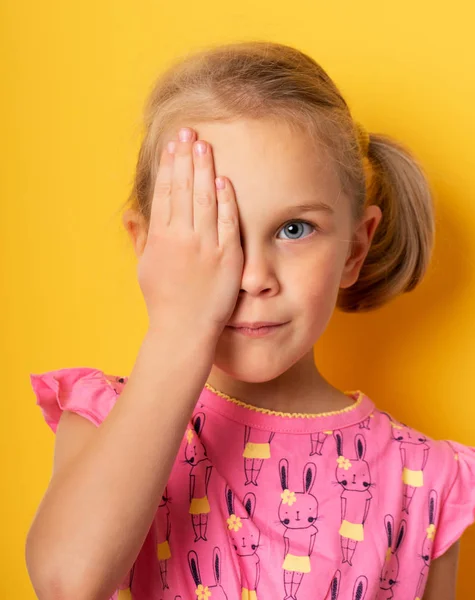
point(442, 578)
point(426, 456)
point(192, 487)
point(74, 552)
point(343, 508)
point(366, 508)
point(312, 541)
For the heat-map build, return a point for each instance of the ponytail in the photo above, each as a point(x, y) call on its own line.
point(402, 245)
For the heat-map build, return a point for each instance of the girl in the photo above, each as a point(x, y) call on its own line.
point(276, 484)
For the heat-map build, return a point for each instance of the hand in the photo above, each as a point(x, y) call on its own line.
point(191, 268)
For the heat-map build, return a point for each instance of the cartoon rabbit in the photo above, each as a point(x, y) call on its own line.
point(200, 473)
point(427, 544)
point(163, 536)
point(245, 537)
point(335, 586)
point(125, 593)
point(317, 440)
point(361, 586)
point(390, 570)
point(365, 424)
point(414, 454)
point(359, 589)
point(256, 450)
point(298, 511)
point(355, 478)
point(203, 592)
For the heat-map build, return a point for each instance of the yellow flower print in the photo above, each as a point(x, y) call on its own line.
point(343, 463)
point(234, 522)
point(288, 497)
point(202, 592)
point(189, 435)
point(395, 426)
point(431, 531)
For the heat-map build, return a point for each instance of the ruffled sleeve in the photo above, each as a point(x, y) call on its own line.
point(458, 510)
point(88, 392)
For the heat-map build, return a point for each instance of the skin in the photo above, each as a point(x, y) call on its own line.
point(287, 277)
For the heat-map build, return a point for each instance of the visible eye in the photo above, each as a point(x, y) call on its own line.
point(293, 230)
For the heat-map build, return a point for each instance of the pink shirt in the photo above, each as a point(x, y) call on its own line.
point(347, 505)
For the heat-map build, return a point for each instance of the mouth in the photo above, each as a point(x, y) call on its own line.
point(256, 331)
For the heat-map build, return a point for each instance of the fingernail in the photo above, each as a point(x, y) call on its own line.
point(185, 134)
point(200, 147)
point(171, 147)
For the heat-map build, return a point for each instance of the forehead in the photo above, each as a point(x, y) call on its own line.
point(271, 164)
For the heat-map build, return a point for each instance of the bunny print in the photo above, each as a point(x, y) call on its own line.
point(245, 539)
point(414, 454)
point(390, 570)
point(335, 586)
point(256, 450)
point(200, 473)
point(427, 543)
point(163, 534)
point(126, 593)
point(359, 589)
point(355, 478)
point(317, 440)
point(298, 511)
point(203, 592)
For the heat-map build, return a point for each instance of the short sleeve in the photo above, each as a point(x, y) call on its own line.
point(88, 392)
point(458, 510)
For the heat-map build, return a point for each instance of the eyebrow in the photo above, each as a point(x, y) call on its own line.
point(309, 207)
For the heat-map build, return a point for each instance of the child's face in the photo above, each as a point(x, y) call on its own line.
point(291, 275)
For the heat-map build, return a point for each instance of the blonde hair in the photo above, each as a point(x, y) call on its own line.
point(261, 79)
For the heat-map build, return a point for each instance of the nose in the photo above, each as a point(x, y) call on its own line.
point(258, 274)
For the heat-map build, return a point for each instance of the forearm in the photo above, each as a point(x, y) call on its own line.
point(97, 512)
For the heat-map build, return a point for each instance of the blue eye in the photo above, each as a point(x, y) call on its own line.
point(294, 230)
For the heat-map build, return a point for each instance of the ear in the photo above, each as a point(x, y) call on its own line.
point(136, 227)
point(360, 245)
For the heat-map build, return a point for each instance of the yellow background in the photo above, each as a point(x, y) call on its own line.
point(76, 77)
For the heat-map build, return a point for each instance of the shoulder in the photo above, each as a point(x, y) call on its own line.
point(86, 391)
point(443, 469)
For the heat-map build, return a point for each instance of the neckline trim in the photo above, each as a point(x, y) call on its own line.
point(295, 415)
point(264, 418)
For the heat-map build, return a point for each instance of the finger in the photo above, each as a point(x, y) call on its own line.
point(181, 204)
point(228, 214)
point(160, 209)
point(205, 210)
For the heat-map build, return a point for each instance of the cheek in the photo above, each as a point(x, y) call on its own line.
point(317, 278)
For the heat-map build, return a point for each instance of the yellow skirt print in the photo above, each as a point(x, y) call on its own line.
point(248, 594)
point(255, 450)
point(353, 531)
point(125, 594)
point(413, 478)
point(297, 563)
point(163, 551)
point(199, 506)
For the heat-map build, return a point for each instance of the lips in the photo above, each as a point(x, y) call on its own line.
point(255, 325)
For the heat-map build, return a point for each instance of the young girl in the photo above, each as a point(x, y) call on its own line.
point(225, 465)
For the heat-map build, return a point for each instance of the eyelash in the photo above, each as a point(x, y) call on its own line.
point(314, 227)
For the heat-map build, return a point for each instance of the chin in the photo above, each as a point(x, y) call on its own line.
point(250, 369)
